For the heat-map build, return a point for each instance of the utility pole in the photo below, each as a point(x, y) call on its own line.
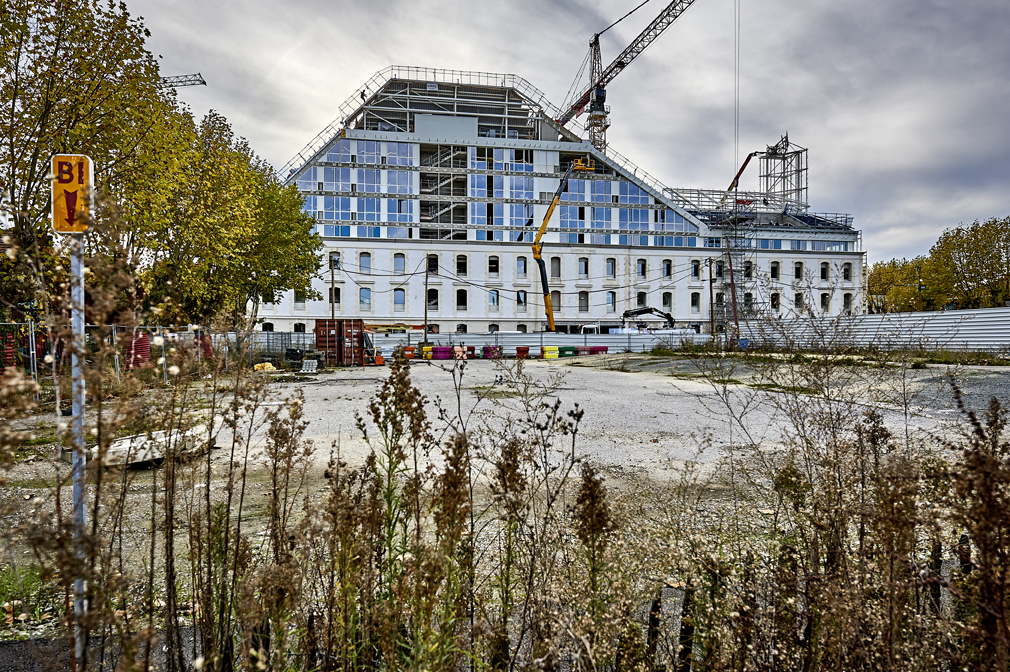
point(334, 262)
point(711, 300)
point(732, 293)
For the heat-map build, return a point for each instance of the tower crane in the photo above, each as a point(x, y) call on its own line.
point(596, 95)
point(181, 80)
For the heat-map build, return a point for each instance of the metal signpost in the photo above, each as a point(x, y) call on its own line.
point(73, 204)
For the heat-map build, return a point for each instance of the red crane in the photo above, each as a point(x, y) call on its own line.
point(596, 95)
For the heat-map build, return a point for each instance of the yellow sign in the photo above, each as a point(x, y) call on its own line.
point(72, 192)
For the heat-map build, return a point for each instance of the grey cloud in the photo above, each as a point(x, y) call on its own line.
point(902, 103)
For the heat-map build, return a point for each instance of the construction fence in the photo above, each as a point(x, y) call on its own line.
point(979, 330)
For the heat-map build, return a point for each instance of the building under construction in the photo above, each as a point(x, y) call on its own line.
point(428, 188)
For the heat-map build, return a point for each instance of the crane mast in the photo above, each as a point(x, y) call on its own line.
point(596, 95)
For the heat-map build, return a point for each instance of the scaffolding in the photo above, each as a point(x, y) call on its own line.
point(783, 168)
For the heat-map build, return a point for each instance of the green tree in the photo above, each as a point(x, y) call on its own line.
point(204, 224)
point(977, 257)
point(233, 234)
point(75, 77)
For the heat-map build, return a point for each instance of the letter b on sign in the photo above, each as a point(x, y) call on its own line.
point(73, 180)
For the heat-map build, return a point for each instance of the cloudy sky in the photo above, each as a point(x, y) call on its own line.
point(903, 104)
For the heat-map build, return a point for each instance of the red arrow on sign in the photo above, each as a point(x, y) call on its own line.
point(70, 198)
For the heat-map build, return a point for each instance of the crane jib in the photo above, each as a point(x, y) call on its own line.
point(630, 53)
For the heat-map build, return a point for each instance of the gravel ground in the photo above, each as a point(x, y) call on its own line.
point(643, 417)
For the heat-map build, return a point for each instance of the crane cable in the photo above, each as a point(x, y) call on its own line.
point(569, 97)
point(622, 18)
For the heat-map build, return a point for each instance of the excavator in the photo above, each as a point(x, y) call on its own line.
point(635, 312)
point(579, 164)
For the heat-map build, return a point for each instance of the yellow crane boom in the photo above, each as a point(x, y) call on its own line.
point(537, 247)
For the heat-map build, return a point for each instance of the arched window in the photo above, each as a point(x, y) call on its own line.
point(334, 295)
point(399, 299)
point(460, 328)
point(521, 300)
point(720, 299)
point(492, 328)
point(847, 272)
point(774, 270)
point(641, 269)
point(460, 299)
point(521, 328)
point(299, 327)
point(642, 299)
point(748, 300)
point(825, 301)
point(583, 267)
point(583, 302)
point(492, 300)
point(846, 303)
point(492, 267)
point(299, 298)
point(775, 301)
point(365, 298)
point(335, 261)
point(611, 302)
point(460, 264)
point(667, 300)
point(364, 263)
point(695, 302)
point(268, 326)
point(399, 263)
point(667, 268)
point(555, 267)
point(748, 270)
point(825, 269)
point(521, 267)
point(432, 264)
point(432, 299)
point(718, 269)
point(611, 270)
point(798, 270)
point(556, 300)
point(695, 268)
point(798, 300)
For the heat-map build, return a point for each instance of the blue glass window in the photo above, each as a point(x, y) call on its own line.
point(368, 209)
point(369, 181)
point(575, 191)
point(399, 210)
point(478, 186)
point(399, 182)
point(335, 207)
point(399, 154)
point(601, 217)
point(632, 194)
point(519, 213)
point(601, 191)
point(335, 179)
point(368, 151)
point(369, 232)
point(340, 151)
point(635, 219)
point(521, 188)
point(308, 181)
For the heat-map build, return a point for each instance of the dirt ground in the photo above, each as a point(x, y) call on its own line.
point(644, 416)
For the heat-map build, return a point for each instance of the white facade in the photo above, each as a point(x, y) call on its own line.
point(389, 194)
